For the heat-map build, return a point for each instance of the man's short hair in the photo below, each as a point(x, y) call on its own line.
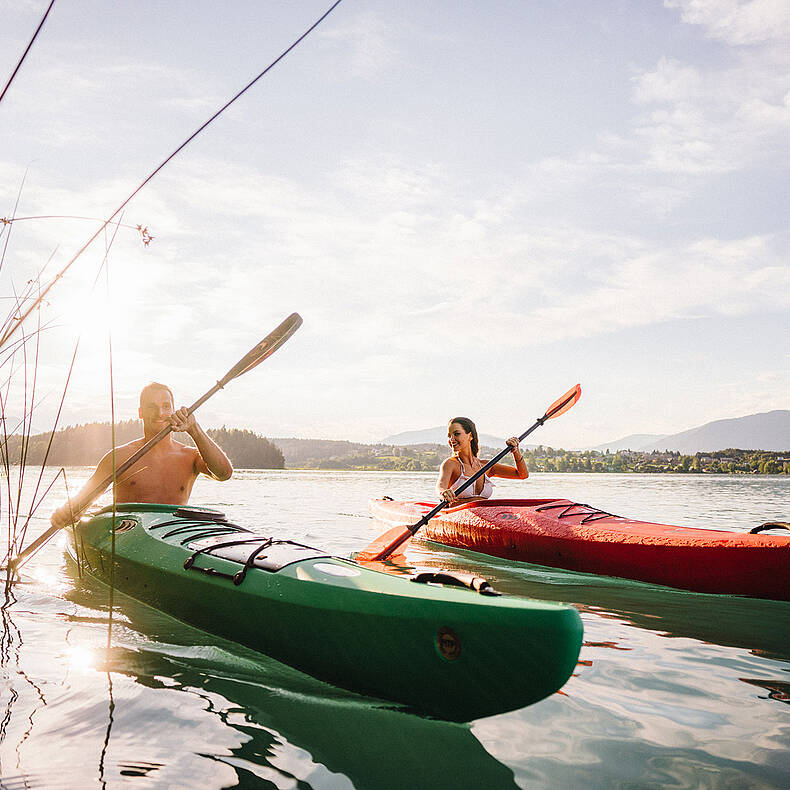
point(153, 387)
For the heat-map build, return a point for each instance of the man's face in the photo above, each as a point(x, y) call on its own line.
point(156, 408)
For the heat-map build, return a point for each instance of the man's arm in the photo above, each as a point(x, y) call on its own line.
point(71, 509)
point(217, 464)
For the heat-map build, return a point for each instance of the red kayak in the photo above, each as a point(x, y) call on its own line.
point(564, 534)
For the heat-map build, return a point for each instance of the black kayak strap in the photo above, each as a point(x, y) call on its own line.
point(769, 525)
point(238, 577)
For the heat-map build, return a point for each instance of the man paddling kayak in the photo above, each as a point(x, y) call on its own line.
point(167, 472)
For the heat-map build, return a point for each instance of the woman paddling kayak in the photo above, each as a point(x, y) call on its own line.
point(463, 463)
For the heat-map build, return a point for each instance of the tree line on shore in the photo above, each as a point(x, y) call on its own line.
point(426, 458)
point(84, 445)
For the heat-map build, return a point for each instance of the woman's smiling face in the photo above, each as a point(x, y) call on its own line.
point(457, 437)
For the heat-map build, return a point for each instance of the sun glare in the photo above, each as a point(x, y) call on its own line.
point(98, 314)
point(81, 658)
point(45, 577)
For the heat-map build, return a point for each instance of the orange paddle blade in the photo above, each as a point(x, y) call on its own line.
point(567, 401)
point(383, 542)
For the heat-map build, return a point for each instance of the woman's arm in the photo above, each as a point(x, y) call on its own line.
point(447, 471)
point(504, 470)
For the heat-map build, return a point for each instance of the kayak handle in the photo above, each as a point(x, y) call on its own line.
point(769, 525)
point(452, 579)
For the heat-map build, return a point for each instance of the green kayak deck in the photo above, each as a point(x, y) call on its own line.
point(446, 651)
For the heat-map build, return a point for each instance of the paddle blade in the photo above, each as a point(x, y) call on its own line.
point(384, 545)
point(567, 401)
point(265, 348)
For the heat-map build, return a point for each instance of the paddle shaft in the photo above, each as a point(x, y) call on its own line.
point(412, 530)
point(255, 356)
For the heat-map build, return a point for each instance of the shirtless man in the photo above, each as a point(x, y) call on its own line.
point(167, 472)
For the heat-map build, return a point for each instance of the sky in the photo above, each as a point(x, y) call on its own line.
point(473, 206)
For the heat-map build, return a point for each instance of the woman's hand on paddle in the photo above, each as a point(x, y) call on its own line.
point(520, 472)
point(448, 495)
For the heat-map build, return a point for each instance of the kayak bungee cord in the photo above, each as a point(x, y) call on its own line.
point(591, 514)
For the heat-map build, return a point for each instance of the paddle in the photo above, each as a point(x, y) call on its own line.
point(385, 544)
point(254, 357)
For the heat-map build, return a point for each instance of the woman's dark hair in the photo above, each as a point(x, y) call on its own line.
point(469, 427)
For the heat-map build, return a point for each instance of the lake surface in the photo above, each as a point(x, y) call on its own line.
point(672, 689)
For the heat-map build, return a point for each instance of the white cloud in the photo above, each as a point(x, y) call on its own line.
point(738, 22)
point(406, 262)
point(709, 122)
point(672, 82)
point(367, 44)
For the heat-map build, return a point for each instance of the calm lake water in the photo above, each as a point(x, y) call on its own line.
point(672, 690)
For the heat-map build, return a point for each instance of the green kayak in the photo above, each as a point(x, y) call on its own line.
point(444, 650)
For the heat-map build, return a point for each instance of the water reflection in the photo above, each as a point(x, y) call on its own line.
point(778, 690)
point(287, 725)
point(108, 731)
point(11, 671)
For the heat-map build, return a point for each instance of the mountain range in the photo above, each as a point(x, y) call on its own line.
point(766, 431)
point(634, 441)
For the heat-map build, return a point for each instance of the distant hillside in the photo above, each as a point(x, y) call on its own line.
point(300, 452)
point(635, 441)
point(436, 435)
point(84, 445)
point(333, 454)
point(767, 431)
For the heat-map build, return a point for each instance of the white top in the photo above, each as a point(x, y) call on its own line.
point(467, 493)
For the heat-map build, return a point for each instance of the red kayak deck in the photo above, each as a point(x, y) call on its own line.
point(565, 534)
